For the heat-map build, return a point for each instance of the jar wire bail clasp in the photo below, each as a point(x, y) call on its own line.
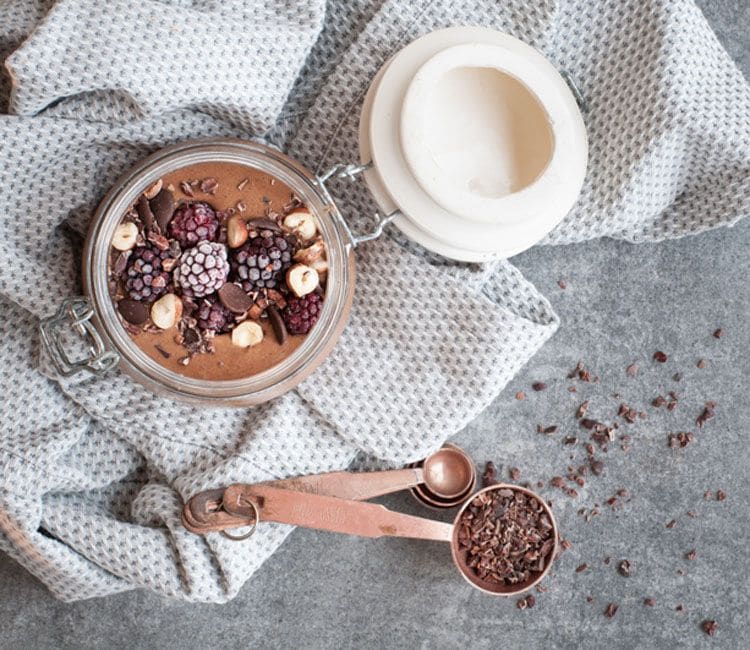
point(75, 314)
point(351, 171)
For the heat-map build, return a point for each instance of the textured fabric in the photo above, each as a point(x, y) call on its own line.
point(93, 472)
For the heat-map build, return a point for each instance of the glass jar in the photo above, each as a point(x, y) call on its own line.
point(95, 318)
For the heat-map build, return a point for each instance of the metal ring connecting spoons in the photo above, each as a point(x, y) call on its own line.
point(445, 479)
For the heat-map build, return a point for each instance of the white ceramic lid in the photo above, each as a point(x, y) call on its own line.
point(476, 140)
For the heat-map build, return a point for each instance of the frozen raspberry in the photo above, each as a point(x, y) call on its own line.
point(145, 279)
point(194, 222)
point(212, 315)
point(300, 314)
point(262, 261)
point(202, 270)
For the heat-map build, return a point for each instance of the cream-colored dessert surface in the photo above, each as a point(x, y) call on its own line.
point(259, 192)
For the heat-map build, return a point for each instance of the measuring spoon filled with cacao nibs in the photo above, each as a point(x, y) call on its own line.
point(503, 540)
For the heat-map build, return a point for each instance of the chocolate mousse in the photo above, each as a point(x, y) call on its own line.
point(218, 271)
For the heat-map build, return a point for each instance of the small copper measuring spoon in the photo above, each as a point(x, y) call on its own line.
point(269, 503)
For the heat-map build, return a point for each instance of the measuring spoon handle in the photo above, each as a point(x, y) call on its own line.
point(328, 513)
point(358, 486)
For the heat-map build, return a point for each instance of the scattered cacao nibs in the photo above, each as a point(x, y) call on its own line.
point(708, 412)
point(489, 477)
point(658, 401)
point(677, 376)
point(701, 363)
point(660, 356)
point(611, 610)
point(507, 536)
point(539, 386)
point(718, 333)
point(692, 514)
point(566, 545)
point(521, 603)
point(710, 626)
point(691, 555)
point(558, 482)
point(570, 440)
point(708, 495)
point(679, 608)
point(562, 284)
point(209, 185)
point(520, 396)
point(588, 423)
point(542, 589)
point(589, 599)
point(649, 602)
point(671, 524)
point(720, 495)
point(546, 430)
point(526, 603)
point(632, 370)
point(597, 467)
point(582, 567)
point(582, 409)
point(186, 189)
point(572, 389)
point(624, 568)
point(514, 473)
point(681, 439)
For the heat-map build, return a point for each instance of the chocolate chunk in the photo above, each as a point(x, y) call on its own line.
point(133, 311)
point(144, 212)
point(611, 610)
point(718, 333)
point(539, 385)
point(277, 323)
point(660, 356)
point(261, 223)
point(162, 207)
point(234, 298)
point(582, 567)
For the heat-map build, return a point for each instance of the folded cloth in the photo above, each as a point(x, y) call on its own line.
point(93, 472)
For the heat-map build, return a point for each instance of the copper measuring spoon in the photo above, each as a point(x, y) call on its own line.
point(444, 479)
point(269, 503)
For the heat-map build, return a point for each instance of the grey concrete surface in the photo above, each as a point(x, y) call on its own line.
point(622, 303)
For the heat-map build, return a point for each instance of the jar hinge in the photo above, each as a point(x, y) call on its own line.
point(351, 171)
point(76, 314)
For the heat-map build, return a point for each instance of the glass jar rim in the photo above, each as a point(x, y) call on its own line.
point(339, 284)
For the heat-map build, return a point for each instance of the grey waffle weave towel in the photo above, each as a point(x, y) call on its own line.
point(92, 473)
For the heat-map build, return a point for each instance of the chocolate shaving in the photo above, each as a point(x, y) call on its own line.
point(277, 323)
point(162, 207)
point(144, 212)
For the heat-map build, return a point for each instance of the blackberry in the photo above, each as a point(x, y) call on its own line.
point(145, 279)
point(300, 314)
point(212, 315)
point(202, 270)
point(262, 261)
point(194, 222)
